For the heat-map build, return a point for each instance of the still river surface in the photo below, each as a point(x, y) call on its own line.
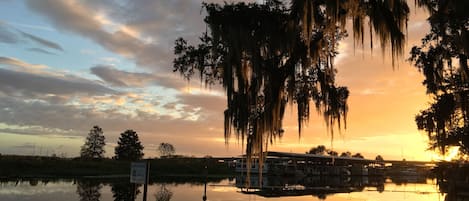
point(224, 189)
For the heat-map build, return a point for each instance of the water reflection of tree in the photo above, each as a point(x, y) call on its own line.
point(453, 180)
point(33, 182)
point(124, 191)
point(316, 186)
point(163, 194)
point(322, 196)
point(89, 190)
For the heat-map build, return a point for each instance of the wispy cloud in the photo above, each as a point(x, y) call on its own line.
point(31, 26)
point(77, 18)
point(78, 119)
point(19, 64)
point(39, 50)
point(121, 78)
point(11, 35)
point(31, 130)
point(42, 41)
point(7, 35)
point(23, 82)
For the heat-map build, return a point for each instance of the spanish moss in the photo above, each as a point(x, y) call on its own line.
point(269, 55)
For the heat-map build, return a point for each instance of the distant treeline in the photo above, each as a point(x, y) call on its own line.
point(40, 166)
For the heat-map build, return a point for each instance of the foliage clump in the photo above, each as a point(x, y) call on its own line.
point(442, 58)
point(273, 54)
point(129, 146)
point(94, 144)
point(166, 149)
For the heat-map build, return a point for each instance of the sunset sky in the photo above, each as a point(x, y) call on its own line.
point(66, 65)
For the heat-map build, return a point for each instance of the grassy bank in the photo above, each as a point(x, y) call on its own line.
point(37, 166)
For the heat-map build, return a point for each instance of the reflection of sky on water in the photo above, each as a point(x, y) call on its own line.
point(393, 192)
point(216, 191)
point(25, 188)
point(12, 191)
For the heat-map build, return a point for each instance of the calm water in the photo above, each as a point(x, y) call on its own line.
point(226, 189)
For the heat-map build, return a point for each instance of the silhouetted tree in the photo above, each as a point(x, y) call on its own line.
point(166, 149)
point(379, 158)
point(94, 144)
point(33, 182)
point(129, 146)
point(163, 194)
point(346, 154)
point(124, 191)
point(320, 149)
point(268, 55)
point(358, 155)
point(332, 153)
point(380, 187)
point(89, 190)
point(442, 58)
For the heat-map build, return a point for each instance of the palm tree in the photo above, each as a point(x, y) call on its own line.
point(268, 55)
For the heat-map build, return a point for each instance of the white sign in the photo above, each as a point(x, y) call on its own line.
point(138, 172)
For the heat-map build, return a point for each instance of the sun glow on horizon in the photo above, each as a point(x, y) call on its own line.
point(450, 155)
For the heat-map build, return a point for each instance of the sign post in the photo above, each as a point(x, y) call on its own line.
point(139, 174)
